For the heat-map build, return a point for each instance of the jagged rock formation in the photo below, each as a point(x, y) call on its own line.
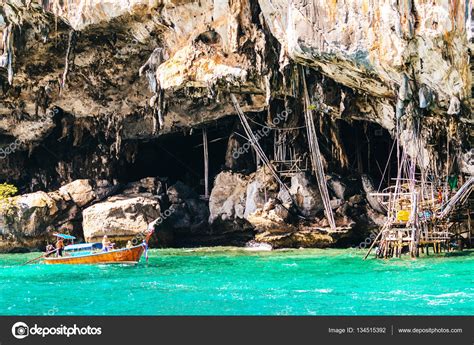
point(28, 220)
point(119, 217)
point(238, 203)
point(116, 91)
point(227, 203)
point(80, 191)
point(372, 45)
point(408, 50)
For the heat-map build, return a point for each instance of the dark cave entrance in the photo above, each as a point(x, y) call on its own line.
point(179, 156)
point(368, 147)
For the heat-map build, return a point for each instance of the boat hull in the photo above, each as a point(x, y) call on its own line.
point(120, 256)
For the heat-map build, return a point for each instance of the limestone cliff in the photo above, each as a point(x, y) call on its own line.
point(114, 90)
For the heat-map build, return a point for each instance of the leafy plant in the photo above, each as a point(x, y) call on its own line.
point(7, 190)
point(7, 205)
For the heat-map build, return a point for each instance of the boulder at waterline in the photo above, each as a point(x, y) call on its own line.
point(227, 200)
point(301, 238)
point(120, 217)
point(26, 221)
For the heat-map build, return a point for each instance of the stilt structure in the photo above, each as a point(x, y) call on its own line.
point(316, 159)
point(425, 209)
point(287, 162)
point(257, 148)
point(206, 163)
point(417, 219)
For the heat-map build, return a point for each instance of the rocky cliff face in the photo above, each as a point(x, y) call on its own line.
point(411, 53)
point(373, 45)
point(116, 91)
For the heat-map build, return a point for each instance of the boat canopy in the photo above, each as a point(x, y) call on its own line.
point(64, 236)
point(83, 246)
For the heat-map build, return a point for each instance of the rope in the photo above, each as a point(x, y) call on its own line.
point(386, 166)
point(276, 128)
point(316, 158)
point(256, 146)
point(459, 197)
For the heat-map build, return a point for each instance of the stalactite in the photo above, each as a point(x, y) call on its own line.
point(6, 59)
point(338, 146)
point(404, 96)
point(157, 101)
point(454, 106)
point(117, 129)
point(70, 52)
point(425, 97)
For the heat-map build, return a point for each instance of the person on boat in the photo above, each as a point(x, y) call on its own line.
point(129, 244)
point(49, 249)
point(106, 244)
point(59, 247)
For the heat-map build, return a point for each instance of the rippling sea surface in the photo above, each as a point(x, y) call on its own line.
point(233, 281)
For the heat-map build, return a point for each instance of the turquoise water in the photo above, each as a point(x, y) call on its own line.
point(231, 281)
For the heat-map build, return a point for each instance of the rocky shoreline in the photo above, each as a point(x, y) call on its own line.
point(241, 209)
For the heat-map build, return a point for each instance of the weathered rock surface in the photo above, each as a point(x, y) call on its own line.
point(187, 214)
point(368, 189)
point(201, 41)
point(227, 199)
point(179, 192)
point(272, 217)
point(305, 195)
point(26, 221)
point(150, 185)
point(296, 239)
point(120, 217)
point(80, 191)
point(261, 188)
point(271, 220)
point(368, 45)
point(410, 55)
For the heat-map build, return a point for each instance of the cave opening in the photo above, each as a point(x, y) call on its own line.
point(179, 156)
point(368, 146)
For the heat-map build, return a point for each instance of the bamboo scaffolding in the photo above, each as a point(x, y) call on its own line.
point(316, 159)
point(256, 146)
point(206, 163)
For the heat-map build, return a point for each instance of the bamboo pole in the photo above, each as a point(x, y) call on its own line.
point(40, 257)
point(372, 245)
point(206, 163)
point(316, 158)
point(469, 226)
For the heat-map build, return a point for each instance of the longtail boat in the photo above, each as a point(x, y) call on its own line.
point(93, 253)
